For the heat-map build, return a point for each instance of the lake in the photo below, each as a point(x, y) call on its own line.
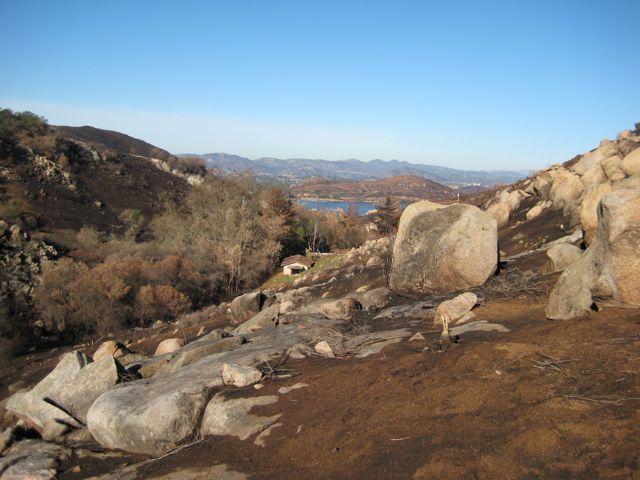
point(363, 207)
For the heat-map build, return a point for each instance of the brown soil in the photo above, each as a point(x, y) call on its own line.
point(545, 400)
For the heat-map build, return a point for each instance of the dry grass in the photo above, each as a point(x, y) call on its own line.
point(344, 341)
point(516, 283)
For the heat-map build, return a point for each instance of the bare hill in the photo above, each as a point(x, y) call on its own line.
point(409, 187)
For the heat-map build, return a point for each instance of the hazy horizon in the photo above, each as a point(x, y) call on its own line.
point(491, 86)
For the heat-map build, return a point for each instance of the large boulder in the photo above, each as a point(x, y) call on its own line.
point(155, 415)
point(248, 305)
point(566, 190)
point(442, 249)
point(504, 205)
point(631, 163)
point(267, 318)
point(589, 210)
point(375, 299)
point(65, 395)
point(612, 167)
point(607, 272)
point(231, 416)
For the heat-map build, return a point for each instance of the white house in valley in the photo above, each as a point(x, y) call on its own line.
point(296, 264)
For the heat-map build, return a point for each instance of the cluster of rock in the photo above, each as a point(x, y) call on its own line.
point(598, 192)
point(576, 187)
point(21, 261)
point(607, 272)
point(50, 171)
point(190, 178)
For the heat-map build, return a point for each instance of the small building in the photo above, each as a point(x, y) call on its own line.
point(296, 264)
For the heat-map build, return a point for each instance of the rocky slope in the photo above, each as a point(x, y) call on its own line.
point(452, 371)
point(63, 183)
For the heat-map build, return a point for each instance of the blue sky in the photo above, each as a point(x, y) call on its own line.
point(466, 84)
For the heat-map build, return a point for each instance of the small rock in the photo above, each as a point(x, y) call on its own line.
point(297, 386)
point(110, 348)
point(240, 375)
point(323, 348)
point(169, 345)
point(456, 307)
point(416, 336)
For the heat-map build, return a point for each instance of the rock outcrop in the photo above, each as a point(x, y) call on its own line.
point(21, 262)
point(64, 396)
point(607, 272)
point(442, 249)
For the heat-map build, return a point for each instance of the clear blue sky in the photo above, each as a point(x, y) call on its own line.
point(467, 84)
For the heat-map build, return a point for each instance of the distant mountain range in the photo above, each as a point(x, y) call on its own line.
point(295, 170)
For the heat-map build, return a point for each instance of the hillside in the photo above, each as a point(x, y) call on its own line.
point(114, 141)
point(405, 187)
point(75, 177)
point(297, 169)
point(424, 353)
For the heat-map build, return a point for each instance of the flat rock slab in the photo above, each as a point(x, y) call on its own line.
point(231, 417)
point(32, 459)
point(155, 415)
point(478, 326)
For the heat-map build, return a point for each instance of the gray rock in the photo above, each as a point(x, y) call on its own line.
point(240, 375)
point(246, 306)
point(267, 318)
point(561, 256)
point(443, 249)
point(32, 459)
point(375, 299)
point(66, 393)
point(231, 417)
point(342, 309)
point(478, 326)
point(457, 307)
point(86, 385)
point(155, 415)
point(198, 350)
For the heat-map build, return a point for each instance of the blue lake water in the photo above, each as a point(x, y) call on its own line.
point(363, 207)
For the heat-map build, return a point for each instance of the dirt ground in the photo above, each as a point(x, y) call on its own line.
point(545, 400)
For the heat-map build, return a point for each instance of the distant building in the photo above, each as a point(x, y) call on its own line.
point(296, 264)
